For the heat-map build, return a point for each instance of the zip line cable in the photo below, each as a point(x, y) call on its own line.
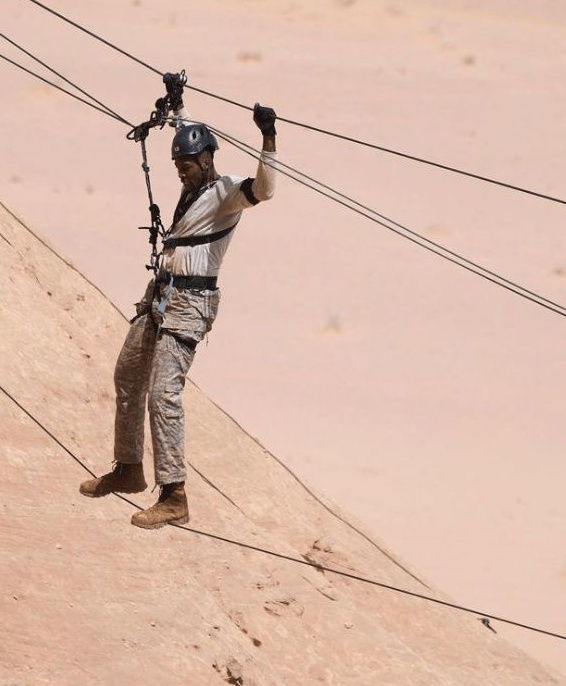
point(64, 78)
point(290, 558)
point(105, 110)
point(351, 204)
point(356, 141)
point(202, 476)
point(410, 235)
point(438, 165)
point(316, 566)
point(64, 90)
point(71, 266)
point(321, 502)
point(94, 35)
point(255, 153)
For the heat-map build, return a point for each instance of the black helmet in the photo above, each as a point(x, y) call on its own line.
point(192, 140)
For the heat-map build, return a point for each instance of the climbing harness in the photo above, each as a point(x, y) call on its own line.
point(198, 240)
point(158, 118)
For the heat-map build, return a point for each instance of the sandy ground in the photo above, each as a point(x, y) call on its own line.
point(422, 398)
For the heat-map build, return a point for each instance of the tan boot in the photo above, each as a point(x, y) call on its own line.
point(124, 478)
point(171, 508)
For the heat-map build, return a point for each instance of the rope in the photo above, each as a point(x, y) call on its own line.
point(355, 206)
point(65, 262)
point(323, 504)
point(105, 110)
point(309, 127)
point(64, 90)
point(152, 205)
point(94, 35)
point(410, 235)
point(289, 558)
point(64, 78)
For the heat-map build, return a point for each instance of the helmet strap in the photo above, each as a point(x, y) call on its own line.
point(207, 173)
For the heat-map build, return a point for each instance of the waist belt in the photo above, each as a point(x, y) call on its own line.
point(198, 283)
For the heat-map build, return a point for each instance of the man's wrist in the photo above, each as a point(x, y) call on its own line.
point(269, 143)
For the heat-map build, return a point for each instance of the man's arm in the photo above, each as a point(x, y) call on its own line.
point(263, 186)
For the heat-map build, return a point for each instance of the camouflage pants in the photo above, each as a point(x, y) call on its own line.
point(152, 368)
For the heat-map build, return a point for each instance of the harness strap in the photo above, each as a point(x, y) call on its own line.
point(197, 240)
point(184, 282)
point(195, 282)
point(165, 299)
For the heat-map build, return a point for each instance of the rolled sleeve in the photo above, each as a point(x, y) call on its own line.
point(263, 186)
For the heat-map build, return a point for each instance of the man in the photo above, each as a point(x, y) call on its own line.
point(176, 312)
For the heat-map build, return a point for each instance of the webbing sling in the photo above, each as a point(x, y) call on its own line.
point(197, 240)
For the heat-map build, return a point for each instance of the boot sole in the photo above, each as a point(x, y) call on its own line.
point(124, 490)
point(159, 525)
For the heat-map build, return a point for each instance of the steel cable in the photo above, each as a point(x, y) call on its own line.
point(399, 229)
point(242, 146)
point(289, 558)
point(351, 204)
point(356, 141)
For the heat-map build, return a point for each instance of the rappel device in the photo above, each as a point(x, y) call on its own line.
point(158, 118)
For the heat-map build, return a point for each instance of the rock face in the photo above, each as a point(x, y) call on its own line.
point(89, 599)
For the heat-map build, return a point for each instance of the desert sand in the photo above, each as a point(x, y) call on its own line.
point(422, 399)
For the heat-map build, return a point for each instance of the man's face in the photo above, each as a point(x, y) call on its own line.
point(190, 172)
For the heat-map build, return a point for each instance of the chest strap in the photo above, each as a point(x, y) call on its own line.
point(197, 240)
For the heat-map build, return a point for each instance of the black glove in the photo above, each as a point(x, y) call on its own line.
point(174, 83)
point(265, 117)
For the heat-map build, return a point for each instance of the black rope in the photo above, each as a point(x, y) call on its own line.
point(109, 112)
point(321, 502)
point(202, 476)
point(414, 237)
point(372, 582)
point(438, 165)
point(71, 266)
point(94, 35)
point(289, 558)
point(64, 78)
point(156, 229)
point(105, 110)
point(157, 118)
point(357, 141)
point(140, 133)
point(67, 92)
point(46, 430)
